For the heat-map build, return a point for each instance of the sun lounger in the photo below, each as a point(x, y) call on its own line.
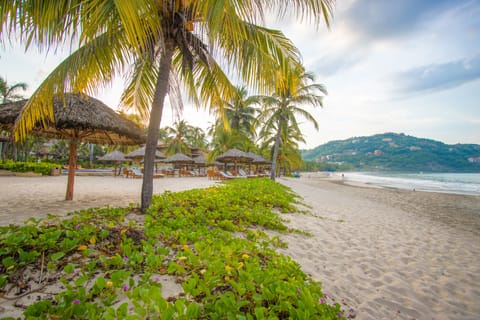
point(242, 173)
point(168, 172)
point(224, 176)
point(228, 175)
point(135, 173)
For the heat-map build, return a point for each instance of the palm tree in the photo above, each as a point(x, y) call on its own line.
point(198, 138)
point(234, 126)
point(8, 93)
point(179, 133)
point(163, 43)
point(288, 156)
point(224, 139)
point(281, 108)
point(239, 113)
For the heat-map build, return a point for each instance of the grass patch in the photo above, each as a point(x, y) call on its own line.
point(109, 260)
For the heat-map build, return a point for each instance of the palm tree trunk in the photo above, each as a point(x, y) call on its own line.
point(161, 90)
point(275, 150)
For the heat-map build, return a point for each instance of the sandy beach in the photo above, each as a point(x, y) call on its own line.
point(390, 254)
point(25, 197)
point(380, 253)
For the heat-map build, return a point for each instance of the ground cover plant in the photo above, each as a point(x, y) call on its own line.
point(197, 254)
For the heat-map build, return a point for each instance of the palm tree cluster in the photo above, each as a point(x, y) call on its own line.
point(164, 48)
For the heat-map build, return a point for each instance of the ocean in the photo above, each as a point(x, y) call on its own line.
point(458, 183)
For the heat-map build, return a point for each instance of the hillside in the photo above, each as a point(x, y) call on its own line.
point(398, 152)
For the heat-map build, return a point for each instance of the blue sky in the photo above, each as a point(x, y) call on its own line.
point(410, 66)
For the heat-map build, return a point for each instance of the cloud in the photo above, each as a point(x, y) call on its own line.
point(385, 19)
point(330, 64)
point(438, 77)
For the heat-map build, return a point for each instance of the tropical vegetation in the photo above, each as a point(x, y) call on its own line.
point(235, 125)
point(217, 245)
point(160, 44)
point(17, 166)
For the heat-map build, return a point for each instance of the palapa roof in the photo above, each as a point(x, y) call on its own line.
point(116, 155)
point(200, 160)
point(258, 159)
point(179, 158)
point(140, 153)
point(234, 155)
point(79, 115)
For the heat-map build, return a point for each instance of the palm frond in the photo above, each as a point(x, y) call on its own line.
point(47, 24)
point(85, 70)
point(138, 94)
point(316, 11)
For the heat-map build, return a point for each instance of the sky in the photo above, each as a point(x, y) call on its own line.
point(404, 66)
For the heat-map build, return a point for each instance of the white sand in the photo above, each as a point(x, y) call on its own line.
point(382, 254)
point(390, 254)
point(25, 197)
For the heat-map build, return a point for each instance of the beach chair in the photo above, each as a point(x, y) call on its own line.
point(242, 173)
point(168, 172)
point(135, 173)
point(228, 175)
point(158, 175)
point(186, 173)
point(222, 175)
point(210, 174)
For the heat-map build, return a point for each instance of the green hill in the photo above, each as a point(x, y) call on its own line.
point(398, 152)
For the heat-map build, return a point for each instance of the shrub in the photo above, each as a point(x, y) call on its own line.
point(42, 168)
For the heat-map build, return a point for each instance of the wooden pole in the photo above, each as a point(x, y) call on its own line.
point(72, 165)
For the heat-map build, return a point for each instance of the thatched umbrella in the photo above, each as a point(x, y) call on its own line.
point(258, 159)
point(179, 158)
point(200, 162)
point(234, 156)
point(139, 154)
point(116, 157)
point(78, 117)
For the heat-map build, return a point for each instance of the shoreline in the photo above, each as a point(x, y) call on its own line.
point(443, 183)
point(389, 253)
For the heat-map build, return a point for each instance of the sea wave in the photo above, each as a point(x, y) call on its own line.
point(457, 183)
